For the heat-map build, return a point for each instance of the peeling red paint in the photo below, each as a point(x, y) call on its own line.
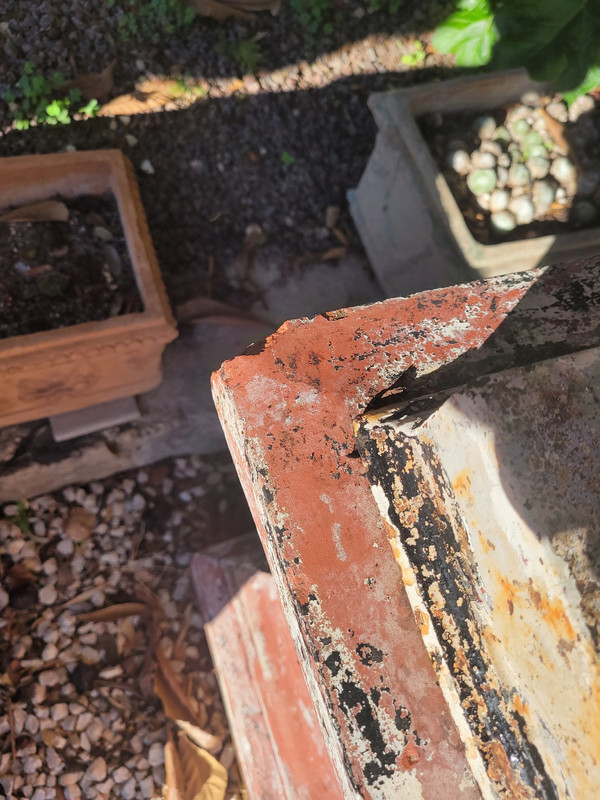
point(288, 415)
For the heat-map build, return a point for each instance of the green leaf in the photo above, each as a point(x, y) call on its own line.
point(470, 34)
point(53, 109)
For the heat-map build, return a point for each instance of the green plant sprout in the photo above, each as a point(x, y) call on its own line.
point(287, 158)
point(35, 98)
point(21, 518)
point(247, 56)
point(415, 57)
point(149, 20)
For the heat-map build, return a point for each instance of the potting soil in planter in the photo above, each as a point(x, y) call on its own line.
point(54, 274)
point(522, 171)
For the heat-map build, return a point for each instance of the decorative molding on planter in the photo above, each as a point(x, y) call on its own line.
point(413, 230)
point(55, 371)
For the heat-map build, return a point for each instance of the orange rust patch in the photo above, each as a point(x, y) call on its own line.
point(521, 707)
point(410, 756)
point(422, 621)
point(462, 483)
point(501, 772)
point(553, 612)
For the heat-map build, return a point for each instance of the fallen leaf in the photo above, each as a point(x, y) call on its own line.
point(340, 236)
point(114, 612)
point(175, 780)
point(332, 215)
point(333, 253)
point(200, 737)
point(176, 703)
point(43, 211)
point(204, 777)
point(556, 130)
point(80, 524)
point(94, 86)
point(149, 95)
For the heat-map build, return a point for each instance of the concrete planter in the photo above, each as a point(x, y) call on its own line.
point(412, 228)
point(50, 372)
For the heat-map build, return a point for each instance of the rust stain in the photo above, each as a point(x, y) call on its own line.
point(500, 771)
point(422, 621)
point(462, 482)
point(410, 756)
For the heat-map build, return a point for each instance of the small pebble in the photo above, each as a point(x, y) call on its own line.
point(583, 104)
point(47, 595)
point(522, 209)
point(485, 126)
point(97, 770)
point(499, 200)
point(538, 167)
point(503, 222)
point(563, 170)
point(558, 111)
point(128, 792)
point(481, 159)
point(156, 754)
point(460, 162)
point(146, 166)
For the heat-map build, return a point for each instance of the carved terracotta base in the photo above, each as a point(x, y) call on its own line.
point(51, 372)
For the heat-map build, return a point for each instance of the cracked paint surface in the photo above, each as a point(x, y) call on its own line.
point(476, 493)
point(288, 413)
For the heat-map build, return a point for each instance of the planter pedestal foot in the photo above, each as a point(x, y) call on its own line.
point(94, 418)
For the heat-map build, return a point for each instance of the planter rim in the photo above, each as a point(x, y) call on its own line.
point(157, 314)
point(484, 258)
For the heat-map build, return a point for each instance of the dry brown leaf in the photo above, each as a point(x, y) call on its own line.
point(94, 86)
point(114, 612)
point(44, 211)
point(333, 253)
point(205, 778)
point(207, 741)
point(175, 780)
point(556, 130)
point(80, 524)
point(167, 687)
point(149, 95)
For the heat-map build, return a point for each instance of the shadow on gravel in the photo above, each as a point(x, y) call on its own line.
point(273, 160)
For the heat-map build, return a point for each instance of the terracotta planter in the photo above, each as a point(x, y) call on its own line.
point(47, 373)
point(412, 228)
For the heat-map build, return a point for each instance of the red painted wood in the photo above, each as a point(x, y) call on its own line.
point(288, 414)
point(278, 740)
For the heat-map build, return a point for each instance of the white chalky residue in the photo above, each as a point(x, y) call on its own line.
point(337, 538)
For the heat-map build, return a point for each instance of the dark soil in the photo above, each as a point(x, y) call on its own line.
point(57, 274)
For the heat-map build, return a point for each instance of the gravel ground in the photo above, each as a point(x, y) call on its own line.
point(79, 717)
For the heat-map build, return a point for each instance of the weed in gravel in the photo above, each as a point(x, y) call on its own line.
point(247, 56)
point(415, 56)
point(287, 158)
point(317, 16)
point(36, 98)
point(148, 20)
